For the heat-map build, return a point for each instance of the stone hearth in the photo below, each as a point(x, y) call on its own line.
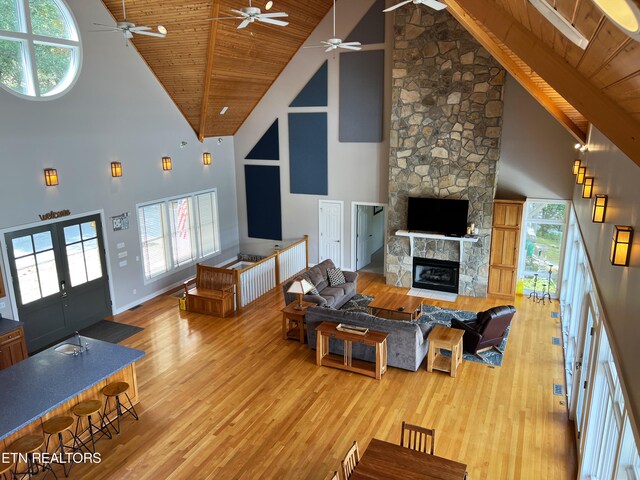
point(446, 124)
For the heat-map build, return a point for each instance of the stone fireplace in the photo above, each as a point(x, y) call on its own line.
point(430, 274)
point(446, 124)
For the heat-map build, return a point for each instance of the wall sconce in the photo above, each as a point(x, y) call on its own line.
point(166, 163)
point(599, 209)
point(621, 245)
point(587, 187)
point(576, 166)
point(582, 171)
point(206, 158)
point(116, 169)
point(50, 177)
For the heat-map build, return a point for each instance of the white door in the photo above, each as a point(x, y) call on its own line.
point(363, 250)
point(330, 241)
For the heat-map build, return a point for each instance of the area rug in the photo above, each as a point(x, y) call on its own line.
point(108, 331)
point(436, 316)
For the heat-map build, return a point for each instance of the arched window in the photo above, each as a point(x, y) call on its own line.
point(39, 48)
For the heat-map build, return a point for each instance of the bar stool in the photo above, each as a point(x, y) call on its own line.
point(27, 446)
point(85, 410)
point(114, 390)
point(57, 426)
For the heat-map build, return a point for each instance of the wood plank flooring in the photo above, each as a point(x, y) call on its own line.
point(230, 399)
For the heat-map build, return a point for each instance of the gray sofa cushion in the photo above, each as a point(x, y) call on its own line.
point(328, 296)
point(407, 342)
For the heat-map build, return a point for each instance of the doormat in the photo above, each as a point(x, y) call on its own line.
point(108, 331)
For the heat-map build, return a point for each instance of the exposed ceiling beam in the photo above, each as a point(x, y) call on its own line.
point(589, 100)
point(211, 48)
point(507, 62)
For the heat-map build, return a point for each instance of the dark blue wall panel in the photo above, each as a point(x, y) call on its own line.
point(308, 153)
point(264, 217)
point(361, 96)
point(371, 27)
point(268, 147)
point(314, 94)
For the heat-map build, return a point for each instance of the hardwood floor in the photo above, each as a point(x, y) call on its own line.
point(230, 399)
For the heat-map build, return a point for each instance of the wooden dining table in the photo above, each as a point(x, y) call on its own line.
point(388, 461)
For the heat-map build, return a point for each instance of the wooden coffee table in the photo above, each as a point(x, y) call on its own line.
point(293, 321)
point(396, 306)
point(449, 339)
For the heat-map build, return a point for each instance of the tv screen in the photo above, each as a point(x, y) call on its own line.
point(438, 215)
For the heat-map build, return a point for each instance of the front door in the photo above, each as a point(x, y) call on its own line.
point(59, 278)
point(330, 244)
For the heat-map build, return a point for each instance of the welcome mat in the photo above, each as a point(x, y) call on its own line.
point(108, 331)
point(437, 316)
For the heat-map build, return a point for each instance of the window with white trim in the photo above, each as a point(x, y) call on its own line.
point(176, 232)
point(39, 48)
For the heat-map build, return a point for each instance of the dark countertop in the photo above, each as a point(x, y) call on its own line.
point(37, 385)
point(7, 325)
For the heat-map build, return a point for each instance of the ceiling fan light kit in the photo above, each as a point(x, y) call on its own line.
point(561, 23)
point(624, 13)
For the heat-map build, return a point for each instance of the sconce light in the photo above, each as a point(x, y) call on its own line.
point(587, 187)
point(621, 245)
point(582, 171)
point(599, 208)
point(576, 166)
point(116, 169)
point(51, 177)
point(580, 147)
point(206, 158)
point(166, 163)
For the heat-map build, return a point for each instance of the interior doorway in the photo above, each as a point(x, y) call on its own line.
point(368, 241)
point(330, 231)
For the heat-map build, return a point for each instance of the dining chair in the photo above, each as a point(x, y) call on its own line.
point(350, 461)
point(417, 438)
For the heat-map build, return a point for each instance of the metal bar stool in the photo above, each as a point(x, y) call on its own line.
point(57, 426)
point(27, 446)
point(85, 410)
point(114, 390)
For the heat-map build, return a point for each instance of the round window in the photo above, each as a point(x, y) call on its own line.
point(39, 48)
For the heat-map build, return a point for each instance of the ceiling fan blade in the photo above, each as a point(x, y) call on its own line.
point(225, 18)
point(351, 44)
point(309, 46)
point(151, 34)
point(274, 15)
point(140, 29)
point(349, 47)
point(397, 5)
point(434, 4)
point(332, 47)
point(110, 30)
point(128, 34)
point(273, 22)
point(108, 26)
point(244, 23)
point(240, 12)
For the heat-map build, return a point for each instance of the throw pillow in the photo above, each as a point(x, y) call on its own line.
point(313, 291)
point(336, 277)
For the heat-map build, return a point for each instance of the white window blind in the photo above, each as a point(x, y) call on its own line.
point(182, 241)
point(152, 238)
point(207, 211)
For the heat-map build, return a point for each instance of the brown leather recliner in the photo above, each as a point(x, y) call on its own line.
point(487, 331)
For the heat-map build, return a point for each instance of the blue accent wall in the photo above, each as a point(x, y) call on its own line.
point(264, 212)
point(308, 153)
point(268, 147)
point(314, 93)
point(361, 96)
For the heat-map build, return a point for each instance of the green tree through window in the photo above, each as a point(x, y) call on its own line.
point(39, 52)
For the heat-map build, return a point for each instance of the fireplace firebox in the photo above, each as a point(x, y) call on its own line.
point(440, 275)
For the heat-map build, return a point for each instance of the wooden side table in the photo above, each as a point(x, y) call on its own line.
point(346, 362)
point(293, 321)
point(449, 339)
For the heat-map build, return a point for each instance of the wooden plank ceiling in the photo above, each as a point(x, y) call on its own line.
point(235, 68)
point(205, 66)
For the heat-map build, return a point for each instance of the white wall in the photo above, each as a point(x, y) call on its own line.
point(357, 171)
point(617, 176)
point(535, 149)
point(116, 111)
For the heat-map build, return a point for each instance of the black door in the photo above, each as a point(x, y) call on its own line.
point(59, 278)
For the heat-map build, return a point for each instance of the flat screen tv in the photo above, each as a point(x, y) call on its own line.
point(438, 215)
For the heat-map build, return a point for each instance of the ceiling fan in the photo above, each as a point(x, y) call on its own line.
point(334, 42)
point(129, 28)
point(250, 14)
point(435, 4)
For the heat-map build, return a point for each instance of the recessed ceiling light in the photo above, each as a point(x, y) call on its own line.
point(624, 13)
point(162, 29)
point(561, 23)
point(268, 5)
point(224, 110)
